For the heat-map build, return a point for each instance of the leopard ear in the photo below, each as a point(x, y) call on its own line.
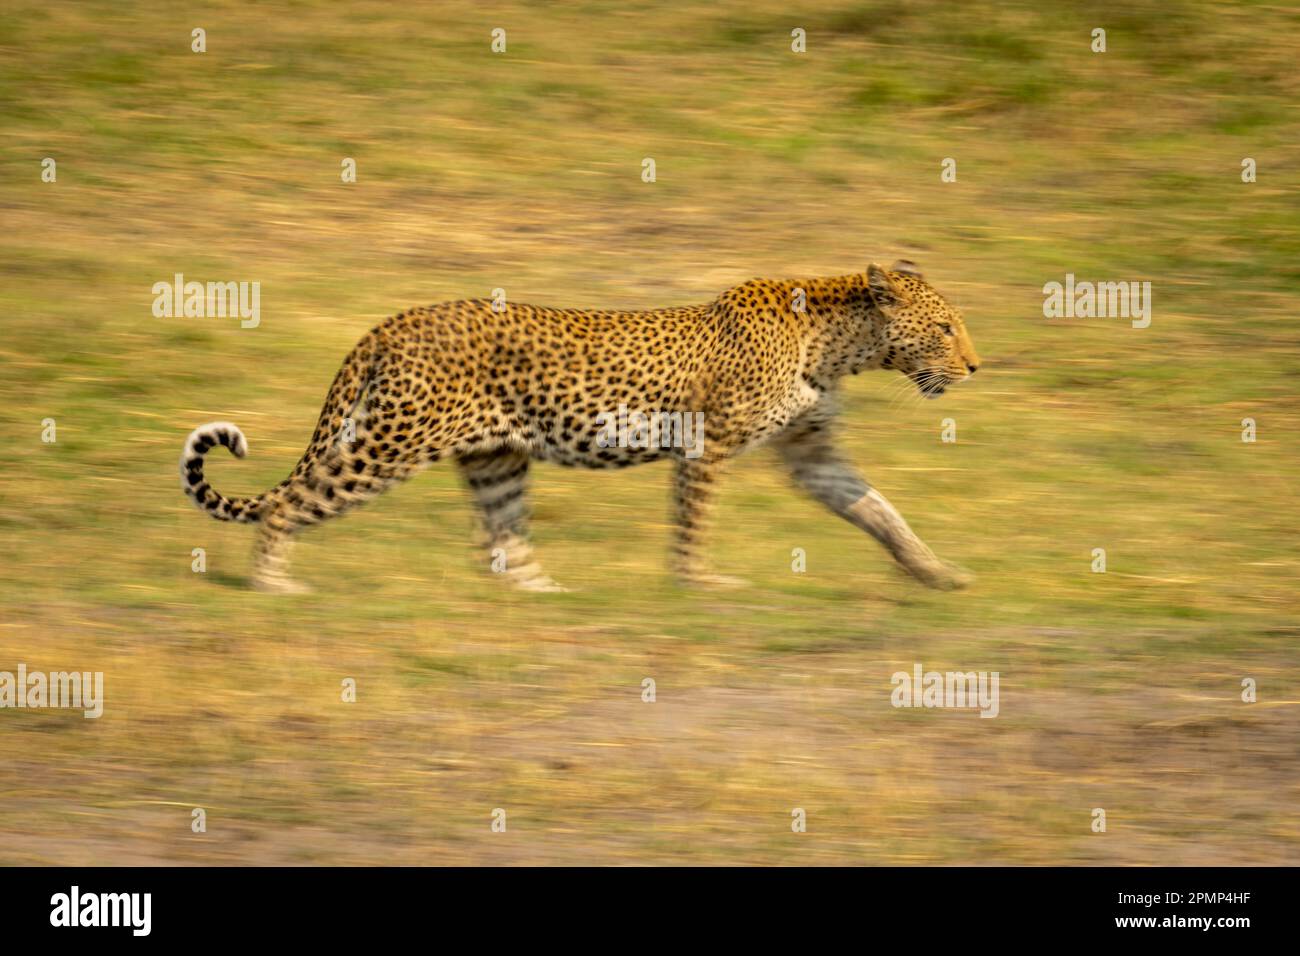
point(907, 267)
point(884, 291)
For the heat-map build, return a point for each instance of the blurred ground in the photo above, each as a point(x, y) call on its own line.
point(522, 171)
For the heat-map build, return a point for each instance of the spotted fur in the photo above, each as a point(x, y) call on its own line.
point(495, 390)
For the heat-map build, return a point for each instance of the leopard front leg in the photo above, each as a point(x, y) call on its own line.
point(693, 498)
point(818, 468)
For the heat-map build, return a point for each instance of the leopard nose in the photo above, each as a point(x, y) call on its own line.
point(972, 368)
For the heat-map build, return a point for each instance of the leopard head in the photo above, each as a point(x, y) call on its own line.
point(923, 336)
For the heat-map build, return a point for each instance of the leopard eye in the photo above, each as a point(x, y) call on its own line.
point(945, 328)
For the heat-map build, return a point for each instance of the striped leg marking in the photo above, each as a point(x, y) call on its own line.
point(499, 483)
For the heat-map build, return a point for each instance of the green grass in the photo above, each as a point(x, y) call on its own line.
point(523, 171)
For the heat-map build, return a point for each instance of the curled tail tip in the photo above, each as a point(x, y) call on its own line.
point(208, 436)
point(202, 440)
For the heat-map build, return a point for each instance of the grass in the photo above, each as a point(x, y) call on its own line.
point(522, 171)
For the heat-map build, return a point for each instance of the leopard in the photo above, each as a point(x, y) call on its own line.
point(495, 386)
